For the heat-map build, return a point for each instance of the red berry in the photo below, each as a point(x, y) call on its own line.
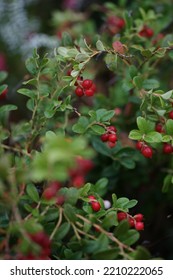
point(60, 200)
point(159, 128)
point(171, 115)
point(149, 32)
point(78, 181)
point(121, 216)
point(93, 87)
point(112, 138)
point(147, 152)
point(167, 148)
point(3, 94)
point(131, 222)
point(91, 198)
point(139, 145)
point(120, 22)
point(49, 193)
point(95, 206)
point(40, 238)
point(87, 84)
point(139, 226)
point(118, 47)
point(138, 217)
point(55, 186)
point(146, 32)
point(111, 128)
point(104, 137)
point(89, 92)
point(79, 91)
point(111, 144)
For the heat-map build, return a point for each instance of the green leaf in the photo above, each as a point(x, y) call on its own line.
point(26, 92)
point(81, 57)
point(100, 186)
point(150, 84)
point(2, 88)
point(114, 200)
point(31, 66)
point(62, 231)
point(128, 19)
point(109, 254)
point(129, 237)
point(63, 51)
point(110, 220)
point(81, 126)
point(167, 95)
point(7, 108)
point(153, 137)
point(169, 127)
point(100, 46)
point(100, 113)
point(135, 134)
point(167, 183)
point(101, 147)
point(3, 76)
point(146, 53)
point(85, 190)
point(67, 39)
point(107, 116)
point(166, 138)
point(121, 202)
point(70, 212)
point(72, 195)
point(138, 81)
point(98, 129)
point(32, 192)
point(144, 125)
point(128, 162)
point(131, 203)
point(141, 253)
point(122, 228)
point(133, 71)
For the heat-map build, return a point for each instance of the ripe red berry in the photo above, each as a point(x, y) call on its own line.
point(79, 91)
point(167, 148)
point(95, 206)
point(147, 152)
point(139, 226)
point(91, 198)
point(60, 200)
point(139, 145)
point(3, 94)
point(89, 92)
point(49, 193)
point(120, 22)
point(159, 128)
point(104, 137)
point(112, 138)
point(139, 217)
point(87, 84)
point(171, 115)
point(146, 32)
point(121, 216)
point(149, 32)
point(131, 222)
point(78, 181)
point(93, 87)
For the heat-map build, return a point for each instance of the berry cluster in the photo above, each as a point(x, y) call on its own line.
point(43, 241)
point(94, 203)
point(84, 87)
point(146, 150)
point(134, 222)
point(110, 136)
point(146, 32)
point(78, 173)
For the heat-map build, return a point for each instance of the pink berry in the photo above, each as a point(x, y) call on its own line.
point(111, 144)
point(95, 206)
point(87, 84)
point(147, 152)
point(91, 198)
point(79, 91)
point(112, 128)
point(139, 217)
point(139, 226)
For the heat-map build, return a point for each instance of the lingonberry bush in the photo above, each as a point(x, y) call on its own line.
point(98, 114)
